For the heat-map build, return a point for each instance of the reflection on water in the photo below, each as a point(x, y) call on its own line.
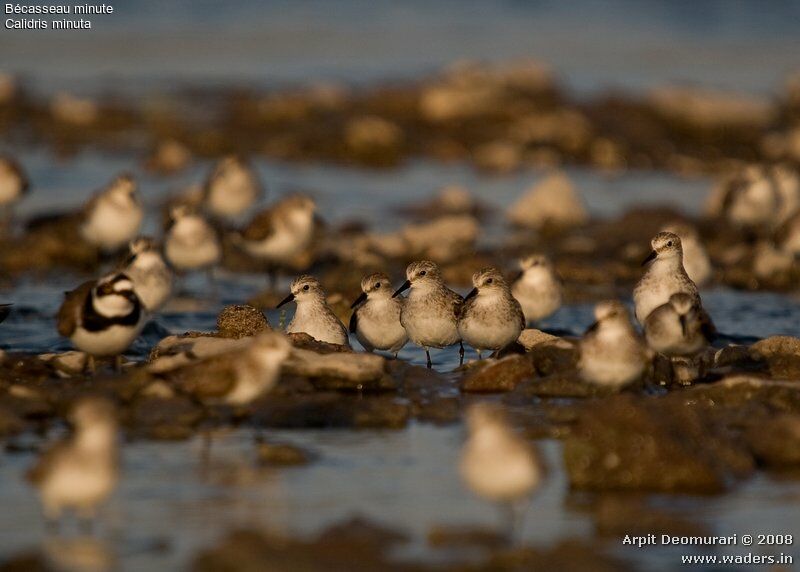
point(170, 504)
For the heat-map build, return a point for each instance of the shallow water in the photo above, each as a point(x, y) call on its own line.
point(170, 504)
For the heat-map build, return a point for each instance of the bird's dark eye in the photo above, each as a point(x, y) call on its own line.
point(305, 287)
point(489, 281)
point(378, 285)
point(669, 243)
point(423, 273)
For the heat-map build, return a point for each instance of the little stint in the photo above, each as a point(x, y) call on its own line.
point(152, 278)
point(695, 257)
point(490, 318)
point(313, 316)
point(281, 234)
point(499, 465)
point(680, 330)
point(376, 316)
point(13, 185)
point(537, 288)
point(664, 277)
point(236, 377)
point(111, 219)
point(612, 353)
point(231, 188)
point(80, 472)
point(430, 311)
point(191, 242)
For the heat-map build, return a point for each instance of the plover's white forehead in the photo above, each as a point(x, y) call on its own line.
point(114, 283)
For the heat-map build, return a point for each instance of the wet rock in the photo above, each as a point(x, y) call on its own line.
point(303, 341)
point(498, 375)
point(551, 358)
point(616, 515)
point(10, 422)
point(66, 363)
point(432, 395)
point(781, 354)
point(164, 419)
point(739, 390)
point(624, 442)
point(238, 321)
point(176, 351)
point(282, 455)
point(442, 239)
point(531, 337)
point(326, 410)
point(775, 441)
point(49, 242)
point(711, 109)
point(356, 544)
point(374, 140)
point(73, 110)
point(340, 371)
point(576, 555)
point(450, 536)
point(561, 385)
point(553, 201)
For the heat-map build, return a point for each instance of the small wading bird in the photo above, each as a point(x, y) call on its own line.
point(679, 329)
point(376, 316)
point(151, 277)
point(231, 188)
point(280, 235)
point(490, 318)
point(80, 472)
point(313, 316)
point(430, 311)
point(13, 186)
point(612, 353)
point(664, 277)
point(102, 317)
point(499, 465)
point(538, 288)
point(236, 377)
point(191, 242)
point(111, 219)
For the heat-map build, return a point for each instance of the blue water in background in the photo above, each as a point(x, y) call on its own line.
point(591, 44)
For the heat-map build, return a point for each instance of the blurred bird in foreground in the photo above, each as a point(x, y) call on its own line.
point(498, 465)
point(612, 353)
point(80, 472)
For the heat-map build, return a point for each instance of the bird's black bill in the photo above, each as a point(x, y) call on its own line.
point(516, 276)
point(286, 300)
point(406, 285)
point(683, 325)
point(472, 294)
point(359, 300)
point(593, 327)
point(650, 257)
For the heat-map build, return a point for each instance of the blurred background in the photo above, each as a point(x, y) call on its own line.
point(592, 44)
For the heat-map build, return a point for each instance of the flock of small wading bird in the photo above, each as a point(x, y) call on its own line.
point(103, 317)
